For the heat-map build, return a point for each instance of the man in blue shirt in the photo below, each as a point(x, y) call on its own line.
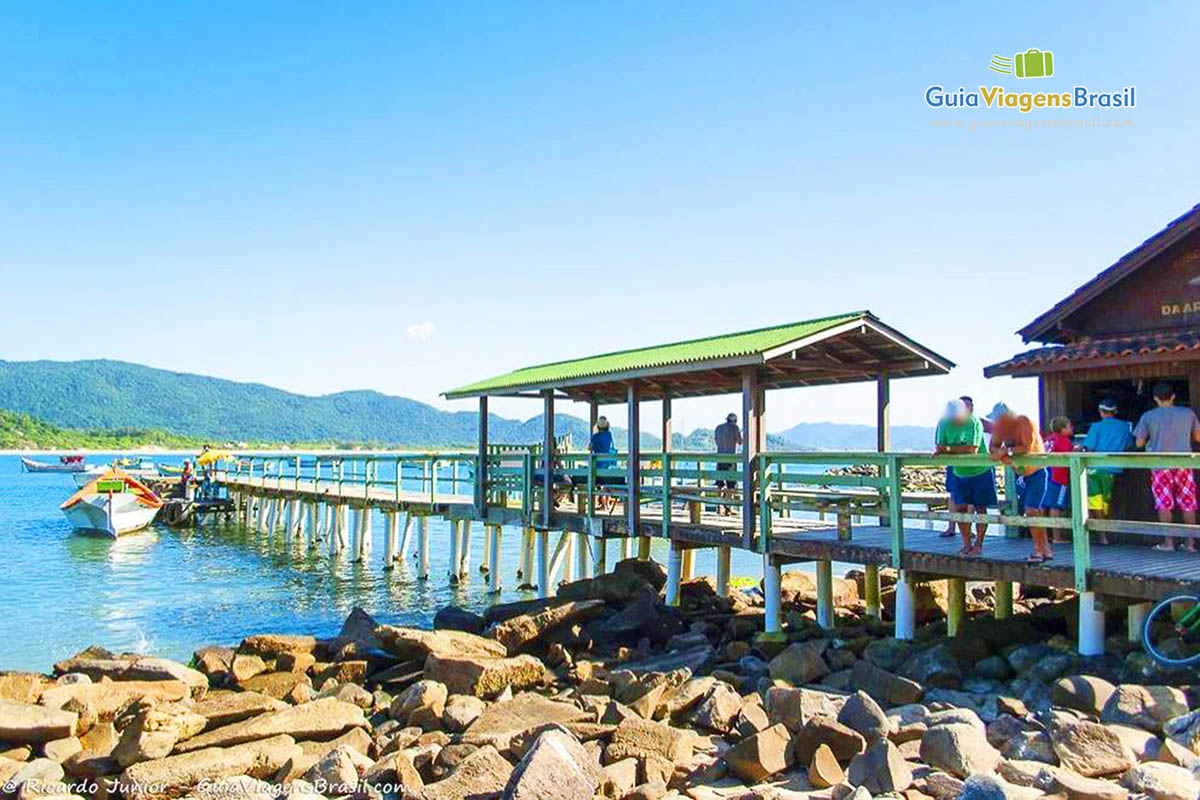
point(602, 442)
point(1109, 435)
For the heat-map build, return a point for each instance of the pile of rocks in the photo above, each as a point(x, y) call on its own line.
point(606, 692)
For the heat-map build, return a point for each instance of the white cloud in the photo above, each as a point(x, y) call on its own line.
point(420, 331)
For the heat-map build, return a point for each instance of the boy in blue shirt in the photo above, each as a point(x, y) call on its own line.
point(1109, 435)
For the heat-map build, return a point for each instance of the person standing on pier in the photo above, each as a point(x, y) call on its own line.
point(1170, 429)
point(602, 442)
point(728, 437)
point(1057, 500)
point(1016, 435)
point(1109, 435)
point(971, 488)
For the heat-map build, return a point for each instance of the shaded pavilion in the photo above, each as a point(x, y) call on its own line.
point(844, 348)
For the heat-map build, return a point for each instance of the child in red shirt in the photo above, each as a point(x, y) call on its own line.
point(1058, 489)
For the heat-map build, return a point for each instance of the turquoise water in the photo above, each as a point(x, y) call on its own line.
point(166, 591)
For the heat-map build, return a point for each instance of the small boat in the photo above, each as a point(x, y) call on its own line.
point(65, 464)
point(169, 470)
point(84, 478)
point(112, 504)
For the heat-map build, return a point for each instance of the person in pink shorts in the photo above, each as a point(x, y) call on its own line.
point(1170, 429)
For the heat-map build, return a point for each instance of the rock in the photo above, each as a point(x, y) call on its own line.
point(993, 668)
point(173, 775)
point(845, 742)
point(272, 645)
point(154, 732)
point(864, 715)
point(1142, 743)
point(880, 769)
point(243, 787)
point(420, 705)
point(1161, 781)
point(394, 771)
point(1148, 707)
point(100, 739)
point(61, 749)
point(718, 710)
point(484, 773)
point(215, 662)
point(454, 618)
point(504, 721)
point(691, 660)
point(1025, 658)
point(294, 687)
point(1185, 729)
point(356, 738)
point(794, 707)
point(223, 707)
point(934, 666)
point(1077, 787)
point(138, 668)
point(103, 700)
point(483, 676)
point(1030, 746)
point(320, 719)
point(886, 688)
point(523, 630)
point(414, 644)
point(758, 757)
point(619, 778)
point(295, 662)
point(28, 723)
point(801, 663)
point(637, 737)
point(460, 711)
point(41, 776)
point(888, 654)
point(556, 767)
point(1090, 749)
point(1085, 693)
point(243, 667)
point(959, 749)
point(337, 773)
point(23, 687)
point(989, 787)
point(823, 769)
point(359, 626)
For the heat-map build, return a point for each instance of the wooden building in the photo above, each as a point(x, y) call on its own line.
point(1133, 325)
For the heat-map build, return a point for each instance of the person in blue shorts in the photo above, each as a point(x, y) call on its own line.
point(971, 488)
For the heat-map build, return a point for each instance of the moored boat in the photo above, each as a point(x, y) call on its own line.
point(112, 504)
point(65, 464)
point(84, 478)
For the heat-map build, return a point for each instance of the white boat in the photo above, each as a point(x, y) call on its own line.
point(112, 504)
point(65, 464)
point(84, 478)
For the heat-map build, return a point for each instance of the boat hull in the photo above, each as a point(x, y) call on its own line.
point(40, 466)
point(110, 515)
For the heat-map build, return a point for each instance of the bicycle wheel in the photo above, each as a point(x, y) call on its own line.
point(1173, 642)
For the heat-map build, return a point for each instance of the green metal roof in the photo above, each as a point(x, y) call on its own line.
point(712, 348)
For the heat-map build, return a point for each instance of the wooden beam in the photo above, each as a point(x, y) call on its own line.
point(548, 458)
point(633, 474)
point(666, 421)
point(481, 469)
point(750, 414)
point(883, 413)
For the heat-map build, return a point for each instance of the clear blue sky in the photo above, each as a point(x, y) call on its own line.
point(398, 196)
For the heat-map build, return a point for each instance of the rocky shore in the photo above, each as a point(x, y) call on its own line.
point(606, 692)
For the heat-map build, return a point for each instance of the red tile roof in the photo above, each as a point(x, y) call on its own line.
point(1102, 349)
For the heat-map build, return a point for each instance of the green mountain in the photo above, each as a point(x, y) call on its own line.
point(840, 436)
point(21, 432)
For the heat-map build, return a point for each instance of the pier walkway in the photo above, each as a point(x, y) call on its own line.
point(850, 507)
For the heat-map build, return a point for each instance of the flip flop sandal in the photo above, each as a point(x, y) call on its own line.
point(1035, 559)
point(1162, 548)
point(946, 534)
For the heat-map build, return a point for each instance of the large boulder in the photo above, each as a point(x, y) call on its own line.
point(524, 630)
point(634, 738)
point(758, 757)
point(880, 769)
point(503, 722)
point(459, 619)
point(174, 775)
point(958, 748)
point(1162, 781)
point(133, 668)
point(154, 732)
point(845, 742)
point(1086, 693)
point(801, 662)
point(864, 715)
point(415, 644)
point(27, 723)
point(484, 773)
point(484, 676)
point(103, 700)
point(796, 706)
point(1148, 707)
point(274, 645)
point(222, 707)
point(1091, 749)
point(324, 718)
point(797, 586)
point(887, 688)
point(556, 767)
point(934, 666)
point(629, 578)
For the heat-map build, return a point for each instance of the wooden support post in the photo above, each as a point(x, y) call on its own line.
point(674, 567)
point(493, 552)
point(883, 413)
point(1136, 620)
point(956, 594)
point(454, 556)
point(481, 465)
point(485, 563)
point(600, 554)
point(543, 564)
point(525, 574)
point(547, 457)
point(627, 548)
point(687, 568)
point(564, 557)
point(272, 510)
point(723, 555)
point(343, 527)
point(772, 595)
point(464, 553)
point(422, 548)
point(633, 473)
point(906, 611)
point(1091, 625)
point(871, 590)
point(752, 417)
point(389, 538)
point(825, 615)
point(364, 533)
point(1003, 599)
point(583, 557)
point(404, 538)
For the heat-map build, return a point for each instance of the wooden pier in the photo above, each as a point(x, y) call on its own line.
point(570, 507)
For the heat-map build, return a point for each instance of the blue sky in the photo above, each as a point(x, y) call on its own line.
point(399, 196)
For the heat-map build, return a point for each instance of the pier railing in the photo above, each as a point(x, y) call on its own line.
point(854, 484)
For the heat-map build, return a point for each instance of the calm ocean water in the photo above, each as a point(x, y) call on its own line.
point(166, 591)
